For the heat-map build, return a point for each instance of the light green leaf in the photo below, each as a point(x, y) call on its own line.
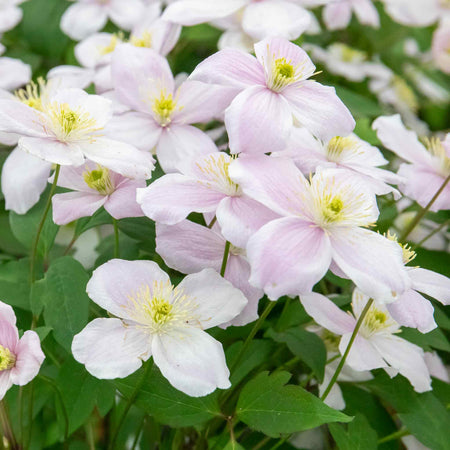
point(359, 435)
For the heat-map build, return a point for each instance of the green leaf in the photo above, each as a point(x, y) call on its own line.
point(359, 435)
point(434, 339)
point(308, 346)
point(168, 405)
point(66, 302)
point(359, 105)
point(267, 405)
point(14, 283)
point(141, 229)
point(100, 217)
point(423, 414)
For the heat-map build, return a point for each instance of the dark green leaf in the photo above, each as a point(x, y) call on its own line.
point(359, 435)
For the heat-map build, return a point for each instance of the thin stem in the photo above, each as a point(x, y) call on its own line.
point(211, 224)
point(435, 231)
point(423, 211)
point(116, 239)
point(69, 247)
point(30, 416)
point(41, 225)
point(394, 436)
point(129, 405)
point(6, 426)
point(225, 258)
point(252, 334)
point(347, 350)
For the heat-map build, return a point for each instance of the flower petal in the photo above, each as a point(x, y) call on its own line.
point(16, 117)
point(122, 202)
point(7, 313)
point(82, 19)
point(431, 283)
point(109, 349)
point(363, 355)
point(191, 360)
point(71, 206)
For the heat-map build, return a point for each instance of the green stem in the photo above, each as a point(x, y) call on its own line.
point(347, 350)
point(211, 224)
point(252, 334)
point(394, 436)
point(423, 211)
point(225, 258)
point(435, 231)
point(41, 225)
point(129, 405)
point(116, 239)
point(6, 427)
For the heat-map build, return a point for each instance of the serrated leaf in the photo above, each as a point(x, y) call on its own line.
point(268, 405)
point(168, 405)
point(66, 302)
point(359, 435)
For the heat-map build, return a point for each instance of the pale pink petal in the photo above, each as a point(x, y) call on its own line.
point(414, 311)
point(16, 117)
point(327, 314)
point(240, 217)
point(366, 12)
point(29, 358)
point(126, 14)
point(394, 136)
point(71, 76)
point(436, 367)
point(109, 349)
point(24, 178)
point(230, 67)
point(373, 262)
point(9, 336)
point(5, 382)
point(13, 73)
point(122, 202)
point(275, 18)
point(258, 121)
point(288, 256)
point(120, 157)
point(201, 102)
point(53, 151)
point(72, 177)
point(406, 357)
point(114, 282)
point(337, 15)
point(275, 182)
point(193, 12)
point(82, 19)
point(179, 145)
point(431, 283)
point(165, 36)
point(319, 109)
point(422, 183)
point(71, 206)
point(137, 129)
point(189, 247)
point(191, 360)
point(7, 313)
point(172, 197)
point(90, 52)
point(363, 355)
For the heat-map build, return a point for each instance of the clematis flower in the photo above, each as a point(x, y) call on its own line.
point(85, 17)
point(427, 166)
point(189, 247)
point(13, 72)
point(376, 344)
point(274, 91)
point(154, 318)
point(260, 18)
point(205, 186)
point(350, 153)
point(66, 127)
point(20, 359)
point(338, 13)
point(322, 227)
point(10, 14)
point(94, 187)
point(419, 13)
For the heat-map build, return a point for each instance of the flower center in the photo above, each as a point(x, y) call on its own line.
point(115, 39)
point(332, 210)
point(160, 307)
point(348, 54)
point(31, 95)
point(282, 74)
point(375, 322)
point(408, 254)
point(435, 147)
point(145, 40)
point(7, 359)
point(100, 180)
point(339, 145)
point(163, 107)
point(404, 92)
point(215, 168)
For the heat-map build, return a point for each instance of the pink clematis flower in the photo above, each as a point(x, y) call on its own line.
point(274, 92)
point(85, 17)
point(350, 153)
point(419, 13)
point(205, 186)
point(154, 318)
point(163, 114)
point(189, 247)
point(338, 13)
point(67, 127)
point(322, 224)
point(20, 359)
point(376, 344)
point(95, 186)
point(260, 18)
point(427, 168)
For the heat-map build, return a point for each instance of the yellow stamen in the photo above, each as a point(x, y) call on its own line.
point(31, 95)
point(164, 106)
point(408, 253)
point(404, 93)
point(100, 180)
point(7, 359)
point(115, 39)
point(145, 40)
